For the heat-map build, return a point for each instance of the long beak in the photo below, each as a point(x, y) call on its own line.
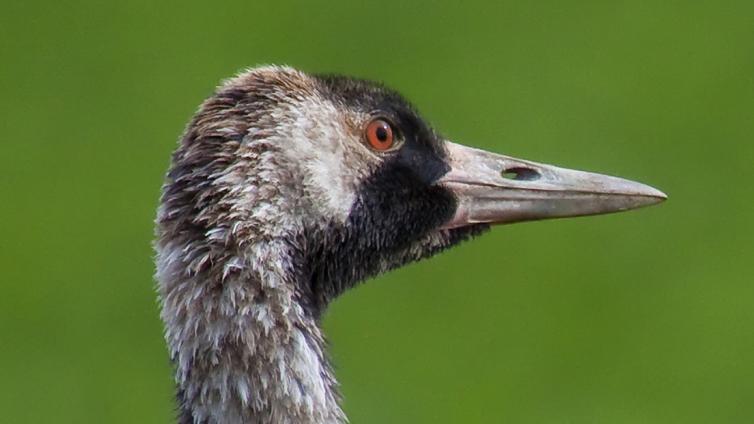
point(497, 189)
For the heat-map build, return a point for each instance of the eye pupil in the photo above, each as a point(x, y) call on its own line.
point(382, 133)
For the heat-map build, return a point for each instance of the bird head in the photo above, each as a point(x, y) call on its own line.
point(346, 176)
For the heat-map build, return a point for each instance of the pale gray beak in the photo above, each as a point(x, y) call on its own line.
point(498, 189)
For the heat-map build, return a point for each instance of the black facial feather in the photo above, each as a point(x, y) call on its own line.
point(396, 205)
point(392, 212)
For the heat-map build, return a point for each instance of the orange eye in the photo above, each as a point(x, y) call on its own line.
point(380, 135)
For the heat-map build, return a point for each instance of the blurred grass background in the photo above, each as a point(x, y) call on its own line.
point(643, 317)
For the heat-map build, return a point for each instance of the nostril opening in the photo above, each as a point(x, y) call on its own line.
point(519, 173)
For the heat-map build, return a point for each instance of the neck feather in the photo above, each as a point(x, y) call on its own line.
point(245, 347)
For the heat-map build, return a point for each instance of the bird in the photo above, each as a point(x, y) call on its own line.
point(287, 189)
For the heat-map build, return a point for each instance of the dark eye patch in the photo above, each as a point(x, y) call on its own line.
point(375, 99)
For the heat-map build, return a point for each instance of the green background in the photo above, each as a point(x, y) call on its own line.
point(642, 317)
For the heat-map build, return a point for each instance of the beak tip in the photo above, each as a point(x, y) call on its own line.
point(655, 195)
point(640, 196)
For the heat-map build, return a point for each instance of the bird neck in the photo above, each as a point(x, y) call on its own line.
point(245, 346)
